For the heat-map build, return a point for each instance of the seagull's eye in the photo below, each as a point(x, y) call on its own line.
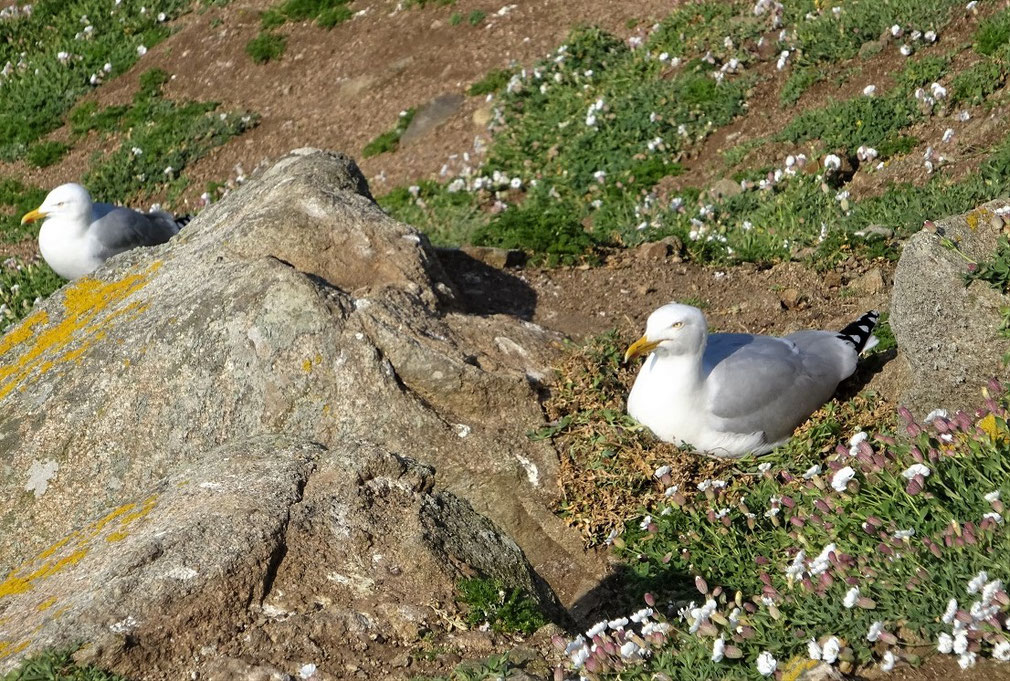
point(676, 325)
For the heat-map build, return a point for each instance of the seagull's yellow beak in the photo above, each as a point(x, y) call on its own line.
point(32, 216)
point(643, 346)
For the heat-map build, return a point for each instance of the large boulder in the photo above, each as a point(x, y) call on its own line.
point(293, 306)
point(948, 333)
point(261, 557)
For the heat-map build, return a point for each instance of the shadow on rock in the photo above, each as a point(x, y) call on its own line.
point(484, 287)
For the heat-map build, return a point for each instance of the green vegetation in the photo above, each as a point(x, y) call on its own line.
point(266, 47)
point(862, 540)
point(587, 141)
point(43, 154)
point(57, 666)
point(494, 667)
point(16, 199)
point(269, 45)
point(476, 16)
point(389, 141)
point(159, 139)
point(507, 610)
point(993, 33)
point(55, 56)
point(995, 272)
point(492, 82)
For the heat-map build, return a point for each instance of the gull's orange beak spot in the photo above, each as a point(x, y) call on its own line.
point(643, 346)
point(32, 216)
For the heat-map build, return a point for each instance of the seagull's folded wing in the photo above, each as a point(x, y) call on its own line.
point(764, 384)
point(121, 229)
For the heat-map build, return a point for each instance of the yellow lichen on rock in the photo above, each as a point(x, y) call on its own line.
point(47, 344)
point(975, 217)
point(46, 604)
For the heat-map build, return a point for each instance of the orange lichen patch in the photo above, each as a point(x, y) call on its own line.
point(46, 604)
point(8, 648)
point(116, 536)
point(48, 344)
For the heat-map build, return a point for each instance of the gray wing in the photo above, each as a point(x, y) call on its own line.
point(770, 385)
point(119, 229)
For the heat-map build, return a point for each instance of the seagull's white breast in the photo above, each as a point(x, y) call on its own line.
point(69, 253)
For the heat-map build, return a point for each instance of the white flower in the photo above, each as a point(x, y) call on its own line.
point(813, 650)
point(964, 116)
point(841, 478)
point(1001, 651)
point(992, 496)
point(851, 596)
point(978, 581)
point(590, 120)
point(904, 534)
point(993, 515)
point(141, 50)
point(765, 467)
point(618, 624)
point(823, 561)
point(948, 135)
point(306, 671)
point(929, 36)
point(766, 664)
point(797, 568)
point(629, 649)
point(641, 615)
point(599, 176)
point(832, 162)
point(971, 5)
point(812, 471)
point(869, 90)
point(948, 614)
point(960, 643)
point(905, 50)
point(916, 469)
point(939, 91)
point(597, 629)
point(934, 415)
point(718, 649)
point(854, 441)
point(966, 660)
point(829, 653)
point(876, 629)
point(945, 644)
point(887, 664)
point(671, 490)
point(990, 590)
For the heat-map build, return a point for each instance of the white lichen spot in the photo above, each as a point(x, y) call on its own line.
point(39, 475)
point(532, 473)
point(211, 485)
point(462, 429)
point(181, 572)
point(124, 626)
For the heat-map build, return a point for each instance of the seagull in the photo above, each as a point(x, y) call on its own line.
point(77, 235)
point(731, 394)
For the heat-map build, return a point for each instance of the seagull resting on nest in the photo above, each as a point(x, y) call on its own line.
point(78, 236)
point(731, 394)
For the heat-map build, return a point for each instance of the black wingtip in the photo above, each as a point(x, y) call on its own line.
point(858, 333)
point(182, 220)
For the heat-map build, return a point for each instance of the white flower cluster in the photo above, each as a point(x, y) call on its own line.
point(15, 12)
point(594, 108)
point(969, 628)
point(615, 635)
point(773, 8)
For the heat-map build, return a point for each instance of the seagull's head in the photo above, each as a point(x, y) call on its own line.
point(66, 201)
point(673, 329)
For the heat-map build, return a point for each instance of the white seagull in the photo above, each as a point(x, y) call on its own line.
point(731, 394)
point(77, 235)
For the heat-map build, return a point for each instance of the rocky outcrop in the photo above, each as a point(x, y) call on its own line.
point(266, 554)
point(947, 333)
point(293, 306)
